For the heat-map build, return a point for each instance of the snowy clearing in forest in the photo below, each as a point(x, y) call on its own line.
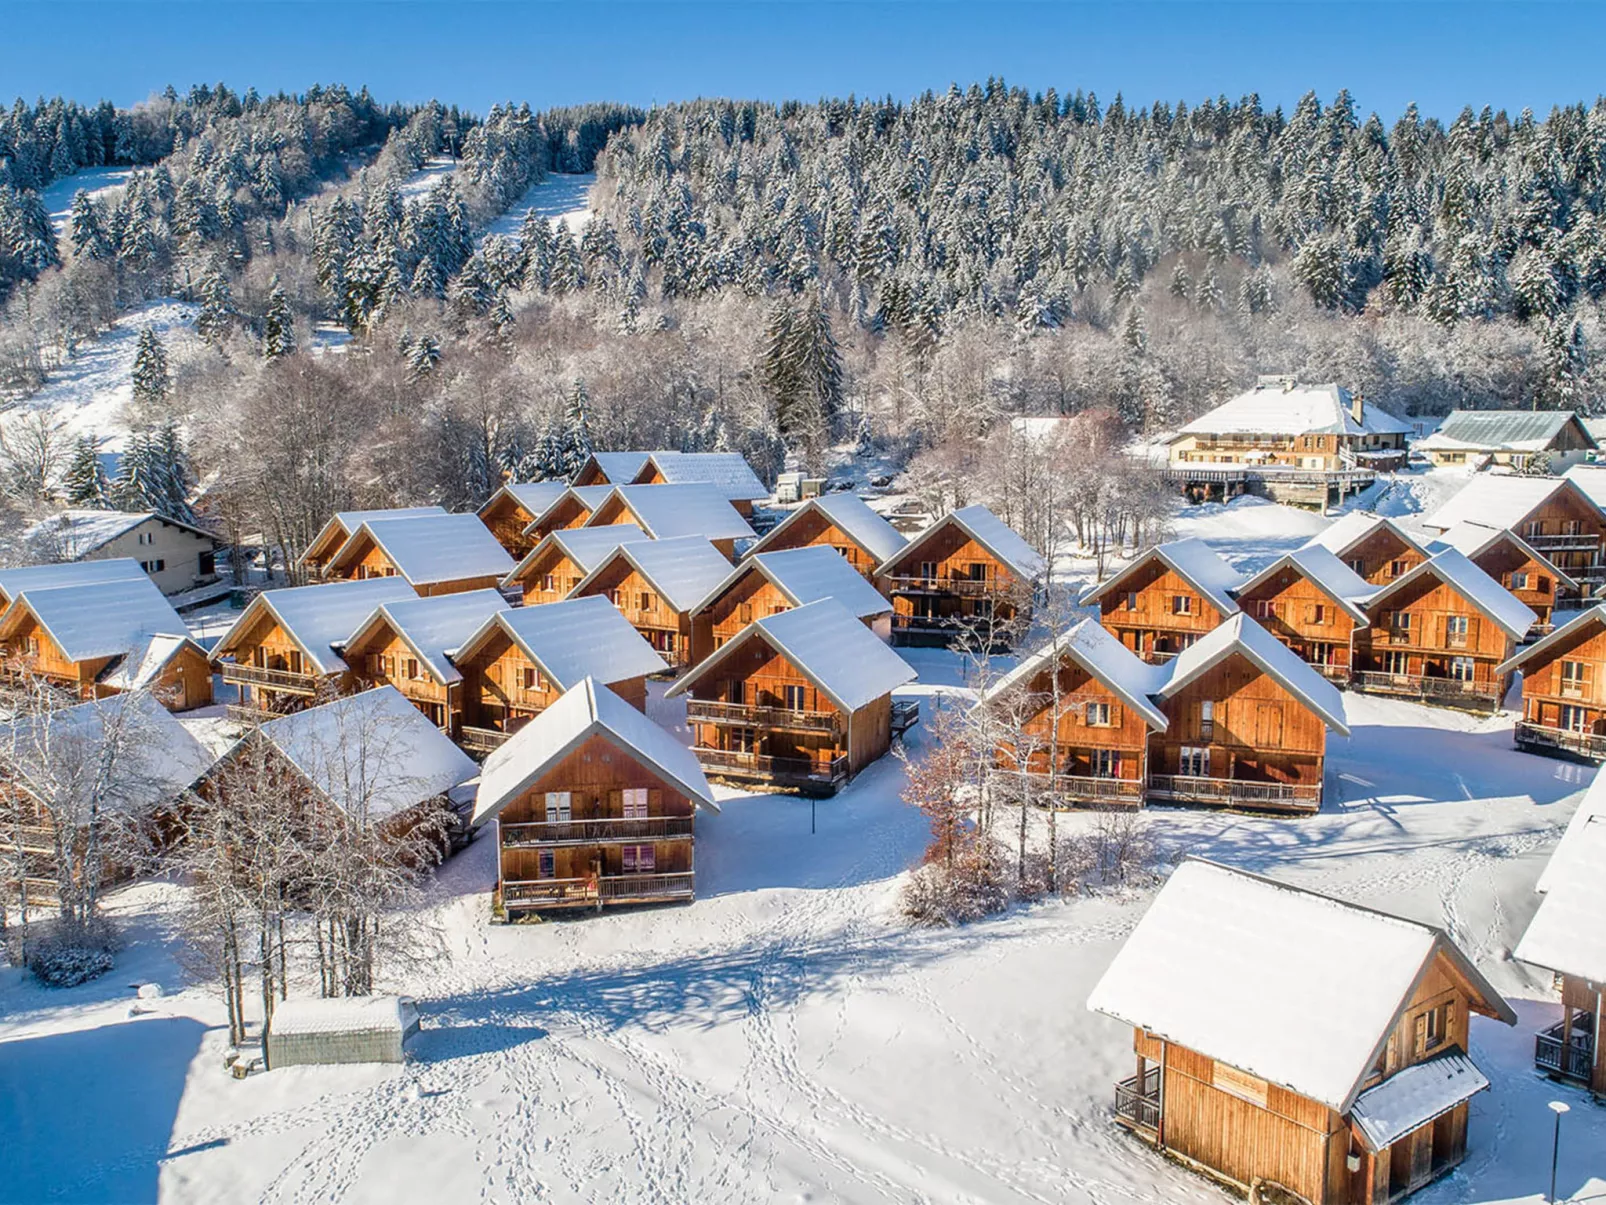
point(561, 199)
point(99, 182)
point(425, 178)
point(787, 1037)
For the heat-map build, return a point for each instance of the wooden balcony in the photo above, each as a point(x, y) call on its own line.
point(1138, 1106)
point(1574, 1061)
point(590, 832)
point(245, 713)
point(241, 674)
point(1233, 792)
point(536, 894)
point(1070, 788)
point(962, 587)
point(1448, 692)
point(905, 715)
point(802, 772)
point(41, 892)
point(1541, 738)
point(480, 741)
point(630, 888)
point(747, 716)
point(1581, 541)
point(32, 838)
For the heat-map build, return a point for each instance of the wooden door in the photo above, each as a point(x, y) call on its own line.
point(1421, 1156)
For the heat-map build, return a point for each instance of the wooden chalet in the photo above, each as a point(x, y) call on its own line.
point(594, 806)
point(726, 472)
point(514, 506)
point(137, 757)
point(342, 526)
point(1289, 1040)
point(771, 582)
point(1525, 572)
point(1554, 515)
point(1246, 724)
point(283, 652)
point(1080, 716)
point(65, 573)
point(799, 700)
point(552, 569)
point(666, 512)
point(1440, 635)
point(842, 521)
point(522, 660)
point(1376, 549)
point(434, 554)
point(573, 508)
point(1564, 690)
point(409, 645)
point(1312, 602)
point(967, 572)
point(103, 638)
point(1523, 439)
point(610, 468)
point(1567, 937)
point(657, 585)
point(1167, 598)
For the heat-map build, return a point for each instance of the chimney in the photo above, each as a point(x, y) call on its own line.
point(1357, 407)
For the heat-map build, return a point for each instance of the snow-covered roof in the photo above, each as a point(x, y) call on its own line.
point(585, 710)
point(317, 618)
point(1568, 932)
point(340, 526)
point(667, 511)
point(851, 515)
point(587, 497)
point(98, 619)
point(1102, 656)
point(426, 549)
point(532, 496)
point(620, 468)
point(144, 663)
point(1291, 409)
point(1591, 479)
point(1415, 1096)
point(1348, 530)
point(728, 472)
point(1340, 583)
point(828, 646)
point(81, 532)
point(807, 575)
point(1294, 987)
point(585, 546)
point(67, 573)
point(1501, 430)
point(1559, 638)
point(682, 569)
point(1590, 808)
point(1243, 635)
point(434, 627)
point(1496, 500)
point(1195, 562)
point(372, 754)
point(60, 757)
point(304, 1015)
point(988, 530)
point(573, 640)
point(1471, 583)
point(1472, 539)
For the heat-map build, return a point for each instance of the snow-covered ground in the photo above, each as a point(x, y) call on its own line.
point(425, 178)
point(99, 182)
point(561, 199)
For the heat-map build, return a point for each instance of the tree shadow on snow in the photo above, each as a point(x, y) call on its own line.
point(443, 1041)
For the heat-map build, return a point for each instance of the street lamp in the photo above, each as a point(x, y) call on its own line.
point(1558, 1108)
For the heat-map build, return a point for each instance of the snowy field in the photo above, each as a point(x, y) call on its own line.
point(101, 183)
point(561, 199)
point(425, 178)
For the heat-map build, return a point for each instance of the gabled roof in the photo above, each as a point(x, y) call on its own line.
point(728, 472)
point(97, 619)
point(1281, 407)
point(317, 618)
point(1348, 530)
point(572, 640)
point(828, 646)
point(373, 753)
point(340, 526)
point(1244, 636)
point(1559, 638)
point(532, 497)
point(1591, 807)
point(144, 663)
point(426, 549)
point(806, 575)
point(1105, 658)
point(67, 573)
point(1502, 430)
point(1415, 1096)
point(667, 511)
point(1471, 583)
point(852, 516)
point(1590, 478)
point(1473, 539)
point(682, 569)
point(1336, 579)
point(1568, 932)
point(434, 627)
point(1498, 500)
point(618, 468)
point(988, 530)
point(1297, 988)
point(585, 546)
point(589, 497)
point(1195, 562)
point(585, 710)
point(81, 532)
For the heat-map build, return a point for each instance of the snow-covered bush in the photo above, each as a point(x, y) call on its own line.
point(1117, 850)
point(955, 892)
point(67, 955)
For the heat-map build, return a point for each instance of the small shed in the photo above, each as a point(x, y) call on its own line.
point(371, 1029)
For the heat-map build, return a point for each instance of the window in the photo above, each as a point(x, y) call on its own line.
point(744, 613)
point(1396, 568)
point(792, 697)
point(646, 601)
point(530, 678)
point(928, 570)
point(1207, 719)
point(1519, 581)
point(1265, 608)
point(1400, 623)
point(735, 690)
point(1105, 763)
point(155, 566)
point(547, 865)
point(1574, 718)
point(1098, 715)
point(1432, 1028)
point(549, 582)
point(1572, 677)
point(1182, 604)
point(1533, 527)
point(1463, 669)
point(1457, 628)
point(1359, 566)
point(146, 537)
point(1397, 661)
point(639, 859)
point(559, 807)
point(1318, 613)
point(1194, 762)
point(635, 803)
point(1131, 600)
point(412, 668)
point(1572, 527)
point(978, 571)
point(983, 608)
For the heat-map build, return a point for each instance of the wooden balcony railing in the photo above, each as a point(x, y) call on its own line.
point(1074, 788)
point(1425, 687)
point(30, 838)
point(1542, 736)
point(245, 713)
point(1139, 1105)
point(617, 888)
point(905, 715)
point(1581, 541)
point(241, 674)
point(549, 891)
point(1575, 1061)
point(750, 716)
point(608, 828)
point(41, 892)
point(801, 770)
point(965, 587)
point(1183, 788)
point(481, 740)
point(648, 886)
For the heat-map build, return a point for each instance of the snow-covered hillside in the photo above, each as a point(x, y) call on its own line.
point(562, 199)
point(99, 182)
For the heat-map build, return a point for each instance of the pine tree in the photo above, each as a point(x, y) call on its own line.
point(423, 354)
point(278, 324)
point(150, 377)
point(217, 305)
point(84, 483)
point(87, 231)
point(1181, 282)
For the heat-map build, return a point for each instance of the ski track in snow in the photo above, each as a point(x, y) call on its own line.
point(561, 199)
point(101, 183)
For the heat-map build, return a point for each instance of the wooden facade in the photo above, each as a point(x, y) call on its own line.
point(573, 509)
point(1571, 1050)
point(1305, 615)
point(384, 658)
point(273, 673)
point(1564, 691)
point(1569, 530)
point(1525, 572)
point(362, 559)
point(1156, 612)
point(947, 582)
point(1382, 555)
point(508, 514)
point(752, 595)
point(504, 688)
point(182, 682)
point(813, 528)
point(647, 608)
point(615, 509)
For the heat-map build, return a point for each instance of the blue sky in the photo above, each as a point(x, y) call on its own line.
point(1442, 55)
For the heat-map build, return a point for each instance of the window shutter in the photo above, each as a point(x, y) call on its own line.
point(1115, 715)
point(1472, 629)
point(655, 802)
point(616, 803)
